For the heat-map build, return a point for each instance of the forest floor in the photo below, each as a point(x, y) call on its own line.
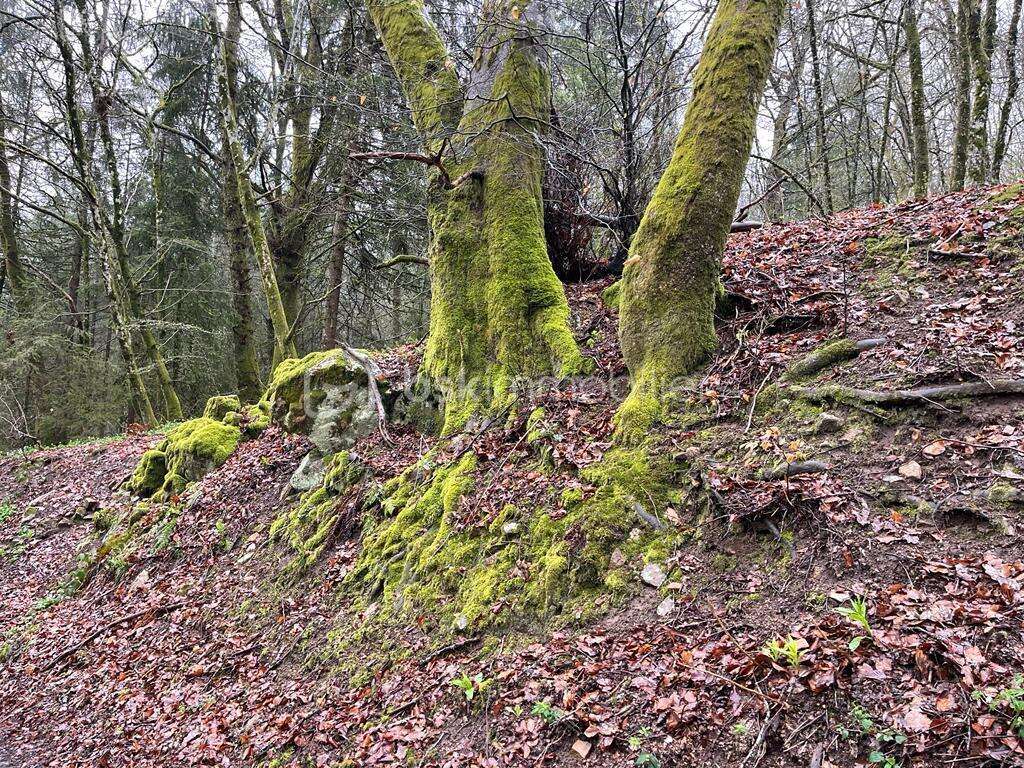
point(754, 650)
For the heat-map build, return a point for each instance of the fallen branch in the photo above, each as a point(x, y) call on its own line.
point(939, 392)
point(403, 259)
point(795, 468)
point(155, 611)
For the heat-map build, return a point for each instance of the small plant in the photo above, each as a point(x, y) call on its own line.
point(866, 725)
point(883, 760)
point(787, 651)
point(547, 713)
point(6, 510)
point(647, 760)
point(1009, 701)
point(638, 738)
point(857, 612)
point(471, 687)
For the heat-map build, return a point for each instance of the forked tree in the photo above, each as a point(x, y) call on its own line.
point(498, 311)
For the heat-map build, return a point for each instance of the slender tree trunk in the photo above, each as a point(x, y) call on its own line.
point(918, 123)
point(498, 311)
point(775, 205)
point(673, 275)
point(14, 269)
point(819, 106)
point(981, 38)
point(284, 346)
point(1012, 85)
point(962, 132)
point(243, 336)
point(336, 271)
point(121, 317)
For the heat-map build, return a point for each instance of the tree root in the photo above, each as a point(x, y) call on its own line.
point(828, 356)
point(921, 395)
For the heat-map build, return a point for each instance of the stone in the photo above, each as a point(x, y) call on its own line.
point(912, 470)
point(665, 607)
point(653, 575)
point(828, 424)
point(309, 474)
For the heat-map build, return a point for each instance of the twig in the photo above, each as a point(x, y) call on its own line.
point(155, 611)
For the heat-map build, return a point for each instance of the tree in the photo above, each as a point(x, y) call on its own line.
point(497, 309)
point(1012, 85)
point(284, 344)
point(672, 277)
point(918, 122)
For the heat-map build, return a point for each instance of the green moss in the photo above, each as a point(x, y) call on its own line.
point(612, 295)
point(308, 527)
point(1004, 494)
point(219, 406)
point(827, 356)
point(187, 452)
point(418, 559)
point(1013, 193)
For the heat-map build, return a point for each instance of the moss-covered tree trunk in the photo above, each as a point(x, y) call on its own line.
point(283, 344)
point(13, 267)
point(672, 277)
point(918, 122)
point(981, 37)
point(1012, 85)
point(962, 124)
point(247, 369)
point(497, 309)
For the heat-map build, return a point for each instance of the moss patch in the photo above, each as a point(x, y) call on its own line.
point(418, 558)
point(189, 451)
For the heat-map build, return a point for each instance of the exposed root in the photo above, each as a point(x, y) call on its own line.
point(921, 395)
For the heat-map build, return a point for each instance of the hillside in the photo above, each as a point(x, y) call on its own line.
point(818, 564)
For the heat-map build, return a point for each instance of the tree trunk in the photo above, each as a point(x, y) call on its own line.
point(819, 105)
point(336, 272)
point(14, 269)
point(284, 346)
point(243, 336)
point(121, 317)
point(981, 36)
point(672, 278)
point(962, 132)
point(918, 123)
point(498, 311)
point(1012, 85)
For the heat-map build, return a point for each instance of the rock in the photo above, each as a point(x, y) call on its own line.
point(911, 469)
point(828, 424)
point(666, 606)
point(309, 474)
point(581, 748)
point(461, 622)
point(653, 575)
point(510, 528)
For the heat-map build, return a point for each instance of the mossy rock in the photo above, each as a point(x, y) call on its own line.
point(188, 452)
point(612, 295)
point(219, 406)
point(324, 395)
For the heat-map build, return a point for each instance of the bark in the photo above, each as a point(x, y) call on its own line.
point(14, 269)
point(981, 36)
point(918, 123)
point(498, 311)
point(1012, 85)
point(962, 131)
point(283, 346)
point(336, 273)
point(775, 204)
point(247, 370)
point(819, 105)
point(672, 278)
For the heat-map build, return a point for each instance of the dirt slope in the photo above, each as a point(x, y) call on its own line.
point(192, 649)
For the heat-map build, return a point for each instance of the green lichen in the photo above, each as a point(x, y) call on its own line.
point(188, 451)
